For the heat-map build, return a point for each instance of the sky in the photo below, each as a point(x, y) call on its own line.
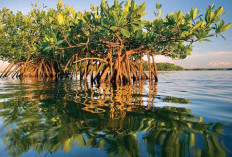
point(214, 54)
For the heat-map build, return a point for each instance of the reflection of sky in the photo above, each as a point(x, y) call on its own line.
point(210, 94)
point(207, 51)
point(209, 91)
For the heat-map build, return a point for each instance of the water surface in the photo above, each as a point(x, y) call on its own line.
point(188, 113)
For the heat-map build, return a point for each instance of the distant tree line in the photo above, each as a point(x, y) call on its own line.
point(173, 67)
point(164, 67)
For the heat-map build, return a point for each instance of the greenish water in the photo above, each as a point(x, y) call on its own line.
point(189, 113)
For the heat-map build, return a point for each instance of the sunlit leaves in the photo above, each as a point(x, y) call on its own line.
point(158, 6)
point(213, 16)
point(125, 32)
point(194, 14)
point(200, 119)
point(116, 3)
point(58, 34)
point(128, 3)
point(67, 145)
point(218, 11)
point(46, 38)
point(192, 140)
point(91, 6)
point(103, 4)
point(180, 14)
point(114, 28)
point(159, 13)
point(50, 19)
point(36, 4)
point(81, 140)
point(60, 4)
point(199, 24)
point(158, 10)
point(141, 8)
point(60, 19)
point(225, 27)
point(222, 27)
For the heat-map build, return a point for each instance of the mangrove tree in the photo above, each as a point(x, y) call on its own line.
point(112, 39)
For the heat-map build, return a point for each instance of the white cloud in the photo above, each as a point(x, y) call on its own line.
point(202, 60)
point(220, 63)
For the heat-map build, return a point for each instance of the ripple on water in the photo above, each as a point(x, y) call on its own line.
point(186, 110)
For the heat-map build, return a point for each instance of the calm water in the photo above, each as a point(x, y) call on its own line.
point(188, 113)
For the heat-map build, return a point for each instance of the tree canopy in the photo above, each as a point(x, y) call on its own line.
point(115, 38)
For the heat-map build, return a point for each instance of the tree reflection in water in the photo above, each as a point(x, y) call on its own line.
point(64, 114)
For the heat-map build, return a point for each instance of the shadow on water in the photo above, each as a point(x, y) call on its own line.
point(67, 114)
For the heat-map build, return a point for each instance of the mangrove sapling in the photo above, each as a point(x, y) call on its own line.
point(111, 40)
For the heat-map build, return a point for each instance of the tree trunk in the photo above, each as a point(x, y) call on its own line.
point(155, 69)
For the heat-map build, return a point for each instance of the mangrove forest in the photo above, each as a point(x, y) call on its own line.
point(108, 43)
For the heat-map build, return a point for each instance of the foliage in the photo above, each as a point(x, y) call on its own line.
point(61, 42)
point(172, 99)
point(164, 67)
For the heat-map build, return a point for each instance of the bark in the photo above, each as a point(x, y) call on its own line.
point(155, 69)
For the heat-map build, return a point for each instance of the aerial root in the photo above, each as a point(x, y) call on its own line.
point(119, 70)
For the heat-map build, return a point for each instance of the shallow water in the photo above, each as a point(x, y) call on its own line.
point(188, 113)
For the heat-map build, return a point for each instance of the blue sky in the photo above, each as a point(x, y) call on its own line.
point(217, 53)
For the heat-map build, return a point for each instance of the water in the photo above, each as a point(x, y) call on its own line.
point(189, 113)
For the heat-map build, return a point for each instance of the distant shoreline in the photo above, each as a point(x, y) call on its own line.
point(204, 69)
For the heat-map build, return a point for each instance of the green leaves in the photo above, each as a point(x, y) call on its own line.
point(50, 19)
point(125, 32)
point(128, 3)
point(141, 8)
point(158, 11)
point(59, 42)
point(64, 29)
point(226, 27)
point(199, 24)
point(193, 13)
point(222, 27)
point(60, 4)
point(91, 6)
point(139, 34)
point(218, 11)
point(67, 145)
point(60, 19)
point(48, 48)
point(46, 38)
point(180, 14)
point(104, 21)
point(36, 4)
point(158, 6)
point(213, 16)
point(114, 28)
point(136, 25)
